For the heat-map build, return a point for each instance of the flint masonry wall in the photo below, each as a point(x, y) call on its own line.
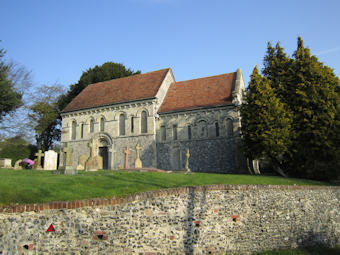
point(218, 219)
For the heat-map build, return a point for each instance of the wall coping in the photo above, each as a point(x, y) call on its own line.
point(97, 202)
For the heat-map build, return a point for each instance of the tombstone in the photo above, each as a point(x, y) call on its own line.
point(50, 160)
point(94, 162)
point(5, 163)
point(138, 162)
point(39, 154)
point(126, 159)
point(67, 168)
point(81, 162)
point(17, 165)
point(187, 155)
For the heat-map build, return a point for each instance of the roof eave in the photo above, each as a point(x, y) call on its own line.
point(197, 108)
point(108, 105)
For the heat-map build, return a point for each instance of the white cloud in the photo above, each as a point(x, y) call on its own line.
point(324, 52)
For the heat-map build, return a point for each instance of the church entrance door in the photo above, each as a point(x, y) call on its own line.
point(104, 153)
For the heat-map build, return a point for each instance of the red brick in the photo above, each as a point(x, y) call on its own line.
point(77, 204)
point(172, 237)
point(30, 247)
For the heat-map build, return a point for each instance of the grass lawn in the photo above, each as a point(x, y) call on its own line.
point(27, 186)
point(314, 250)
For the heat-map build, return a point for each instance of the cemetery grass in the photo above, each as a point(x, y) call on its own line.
point(28, 186)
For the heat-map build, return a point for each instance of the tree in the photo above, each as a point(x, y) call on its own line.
point(266, 123)
point(14, 123)
point(10, 99)
point(16, 148)
point(316, 107)
point(310, 94)
point(44, 115)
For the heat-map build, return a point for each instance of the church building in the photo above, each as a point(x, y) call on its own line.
point(164, 117)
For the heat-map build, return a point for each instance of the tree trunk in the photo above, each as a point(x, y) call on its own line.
point(277, 167)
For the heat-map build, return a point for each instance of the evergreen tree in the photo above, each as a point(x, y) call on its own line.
point(310, 93)
point(315, 103)
point(266, 122)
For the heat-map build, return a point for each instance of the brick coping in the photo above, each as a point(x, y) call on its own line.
point(95, 202)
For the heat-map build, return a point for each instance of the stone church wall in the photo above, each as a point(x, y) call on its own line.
point(116, 142)
point(213, 143)
point(216, 219)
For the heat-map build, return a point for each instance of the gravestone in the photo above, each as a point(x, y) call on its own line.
point(17, 165)
point(39, 155)
point(67, 161)
point(94, 162)
point(138, 162)
point(81, 162)
point(126, 159)
point(5, 163)
point(50, 160)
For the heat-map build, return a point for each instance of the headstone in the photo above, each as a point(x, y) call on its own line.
point(67, 156)
point(126, 159)
point(94, 162)
point(138, 162)
point(50, 160)
point(187, 155)
point(39, 154)
point(5, 163)
point(17, 165)
point(67, 167)
point(81, 162)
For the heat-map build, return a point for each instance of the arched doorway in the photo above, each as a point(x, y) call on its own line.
point(103, 151)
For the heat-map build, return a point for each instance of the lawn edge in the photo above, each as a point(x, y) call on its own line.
point(93, 202)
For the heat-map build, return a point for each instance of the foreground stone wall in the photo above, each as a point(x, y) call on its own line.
point(218, 219)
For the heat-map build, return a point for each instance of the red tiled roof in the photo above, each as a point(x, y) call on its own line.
point(118, 90)
point(203, 92)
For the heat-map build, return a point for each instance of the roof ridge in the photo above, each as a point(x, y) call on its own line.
point(100, 82)
point(212, 76)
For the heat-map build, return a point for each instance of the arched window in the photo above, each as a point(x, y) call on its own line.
point(74, 130)
point(132, 125)
point(144, 122)
point(102, 124)
point(217, 129)
point(202, 129)
point(163, 133)
point(82, 130)
point(91, 125)
point(189, 132)
point(122, 124)
point(174, 132)
point(230, 127)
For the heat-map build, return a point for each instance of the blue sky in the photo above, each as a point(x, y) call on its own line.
point(58, 40)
